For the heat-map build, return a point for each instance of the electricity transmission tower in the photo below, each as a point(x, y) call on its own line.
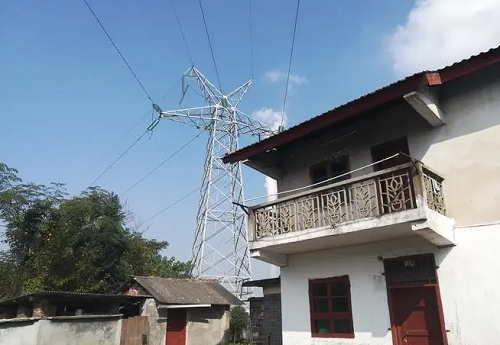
point(220, 247)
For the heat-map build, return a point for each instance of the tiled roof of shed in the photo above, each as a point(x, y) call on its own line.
point(187, 291)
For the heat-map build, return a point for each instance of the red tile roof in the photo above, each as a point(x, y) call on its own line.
point(368, 102)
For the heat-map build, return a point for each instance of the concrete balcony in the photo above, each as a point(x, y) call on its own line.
point(398, 202)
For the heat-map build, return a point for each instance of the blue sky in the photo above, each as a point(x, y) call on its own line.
point(66, 98)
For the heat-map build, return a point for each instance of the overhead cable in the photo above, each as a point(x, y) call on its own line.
point(328, 180)
point(168, 207)
point(119, 157)
point(290, 62)
point(251, 37)
point(133, 127)
point(162, 163)
point(118, 50)
point(210, 44)
point(182, 32)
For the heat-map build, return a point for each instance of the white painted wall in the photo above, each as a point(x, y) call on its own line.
point(467, 275)
point(16, 332)
point(463, 150)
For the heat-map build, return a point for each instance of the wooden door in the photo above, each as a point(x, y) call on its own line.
point(416, 316)
point(135, 331)
point(176, 327)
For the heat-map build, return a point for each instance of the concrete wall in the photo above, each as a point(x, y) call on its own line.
point(208, 326)
point(18, 332)
point(467, 275)
point(62, 331)
point(157, 321)
point(463, 150)
point(80, 331)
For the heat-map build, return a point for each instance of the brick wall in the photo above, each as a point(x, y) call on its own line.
point(265, 320)
point(257, 336)
point(272, 319)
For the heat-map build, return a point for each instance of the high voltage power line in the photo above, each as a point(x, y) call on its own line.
point(161, 164)
point(119, 52)
point(290, 61)
point(251, 36)
point(182, 32)
point(119, 157)
point(168, 207)
point(130, 130)
point(210, 44)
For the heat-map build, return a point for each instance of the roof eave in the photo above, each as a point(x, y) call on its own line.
point(358, 106)
point(370, 101)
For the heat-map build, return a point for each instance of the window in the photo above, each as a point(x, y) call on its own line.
point(330, 308)
point(329, 169)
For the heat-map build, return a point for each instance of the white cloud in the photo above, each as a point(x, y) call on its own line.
point(273, 119)
point(270, 117)
point(440, 32)
point(277, 76)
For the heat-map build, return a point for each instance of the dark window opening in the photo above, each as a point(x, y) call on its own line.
point(330, 169)
point(411, 269)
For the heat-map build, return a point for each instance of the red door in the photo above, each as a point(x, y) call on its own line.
point(416, 316)
point(176, 327)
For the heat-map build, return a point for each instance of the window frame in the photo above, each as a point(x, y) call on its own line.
point(330, 315)
point(327, 165)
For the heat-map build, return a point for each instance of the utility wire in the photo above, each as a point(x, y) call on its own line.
point(119, 157)
point(168, 207)
point(134, 126)
point(182, 32)
point(332, 178)
point(251, 37)
point(118, 50)
point(210, 44)
point(162, 163)
point(290, 61)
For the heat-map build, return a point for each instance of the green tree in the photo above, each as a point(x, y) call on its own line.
point(81, 244)
point(238, 322)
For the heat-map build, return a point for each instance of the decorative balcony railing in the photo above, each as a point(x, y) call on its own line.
point(373, 195)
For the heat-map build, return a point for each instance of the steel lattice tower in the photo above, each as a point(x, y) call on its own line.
point(220, 247)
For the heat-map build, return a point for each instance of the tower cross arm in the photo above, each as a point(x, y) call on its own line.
point(200, 117)
point(250, 125)
point(203, 117)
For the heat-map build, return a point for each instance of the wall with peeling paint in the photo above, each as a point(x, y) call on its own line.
point(83, 330)
point(462, 150)
point(467, 277)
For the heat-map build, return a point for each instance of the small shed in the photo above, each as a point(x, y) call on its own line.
point(184, 311)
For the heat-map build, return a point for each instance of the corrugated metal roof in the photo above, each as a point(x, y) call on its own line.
point(187, 291)
point(354, 107)
point(73, 295)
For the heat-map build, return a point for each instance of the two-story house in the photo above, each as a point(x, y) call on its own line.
point(387, 223)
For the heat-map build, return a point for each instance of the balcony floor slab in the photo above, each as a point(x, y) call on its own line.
point(436, 228)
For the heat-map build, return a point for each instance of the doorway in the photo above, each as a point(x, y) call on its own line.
point(394, 187)
point(388, 149)
point(414, 301)
point(176, 327)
